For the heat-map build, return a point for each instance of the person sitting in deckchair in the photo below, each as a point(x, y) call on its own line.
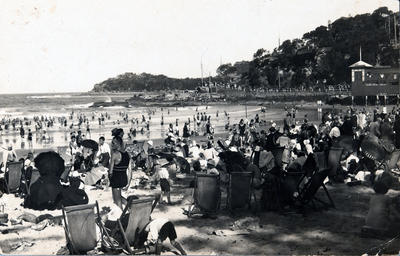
point(157, 231)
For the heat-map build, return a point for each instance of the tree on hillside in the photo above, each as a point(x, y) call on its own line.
point(321, 56)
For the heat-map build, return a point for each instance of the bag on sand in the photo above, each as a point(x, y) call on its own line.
point(74, 196)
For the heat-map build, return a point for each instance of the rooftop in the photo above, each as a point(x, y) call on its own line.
point(361, 64)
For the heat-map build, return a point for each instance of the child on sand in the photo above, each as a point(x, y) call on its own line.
point(158, 231)
point(162, 175)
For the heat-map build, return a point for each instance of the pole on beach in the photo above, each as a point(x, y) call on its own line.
point(398, 45)
point(245, 103)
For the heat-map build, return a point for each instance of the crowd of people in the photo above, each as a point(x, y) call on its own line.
point(248, 146)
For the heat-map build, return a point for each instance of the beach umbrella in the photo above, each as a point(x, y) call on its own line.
point(49, 163)
point(90, 144)
point(373, 148)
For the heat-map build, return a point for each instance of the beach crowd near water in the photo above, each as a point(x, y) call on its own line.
point(289, 158)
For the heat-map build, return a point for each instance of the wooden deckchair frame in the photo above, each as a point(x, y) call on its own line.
point(242, 175)
point(125, 232)
point(68, 235)
point(334, 159)
point(312, 197)
point(11, 168)
point(98, 222)
point(196, 191)
point(321, 160)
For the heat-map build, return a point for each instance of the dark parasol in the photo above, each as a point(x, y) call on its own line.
point(49, 163)
point(90, 144)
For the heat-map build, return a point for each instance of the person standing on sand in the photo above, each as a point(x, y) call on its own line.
point(22, 131)
point(104, 152)
point(88, 130)
point(242, 130)
point(30, 135)
point(119, 165)
point(162, 175)
point(170, 129)
point(186, 132)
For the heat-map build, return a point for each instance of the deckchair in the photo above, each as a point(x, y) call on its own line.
point(307, 194)
point(14, 174)
point(239, 190)
point(206, 194)
point(278, 152)
point(80, 227)
point(374, 149)
point(63, 152)
point(321, 159)
point(139, 216)
point(334, 157)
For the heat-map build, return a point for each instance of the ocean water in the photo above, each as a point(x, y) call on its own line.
point(57, 105)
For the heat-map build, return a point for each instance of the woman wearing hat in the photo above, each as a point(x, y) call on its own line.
point(119, 164)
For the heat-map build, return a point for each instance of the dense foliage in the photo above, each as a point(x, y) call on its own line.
point(321, 57)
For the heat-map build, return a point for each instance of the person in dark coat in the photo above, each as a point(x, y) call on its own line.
point(234, 161)
point(270, 142)
point(186, 132)
point(47, 192)
point(347, 127)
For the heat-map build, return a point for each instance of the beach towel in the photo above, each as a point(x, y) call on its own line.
point(95, 175)
point(73, 196)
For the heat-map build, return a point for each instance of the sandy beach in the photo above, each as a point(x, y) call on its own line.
point(328, 232)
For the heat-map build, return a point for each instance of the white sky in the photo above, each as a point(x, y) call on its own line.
point(70, 45)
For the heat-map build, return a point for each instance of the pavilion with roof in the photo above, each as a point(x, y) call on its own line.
point(368, 80)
